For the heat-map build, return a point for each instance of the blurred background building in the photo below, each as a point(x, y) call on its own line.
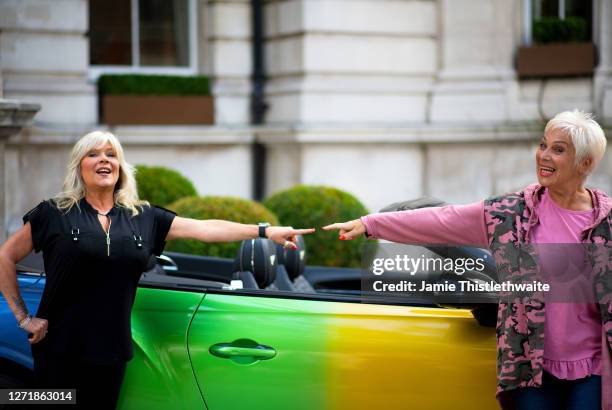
point(388, 99)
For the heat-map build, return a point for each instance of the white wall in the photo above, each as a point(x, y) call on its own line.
point(349, 61)
point(382, 166)
point(387, 99)
point(45, 56)
point(218, 161)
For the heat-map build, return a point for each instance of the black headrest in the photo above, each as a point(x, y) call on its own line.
point(258, 256)
point(294, 260)
point(424, 202)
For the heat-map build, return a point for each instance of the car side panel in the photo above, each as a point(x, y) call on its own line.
point(160, 374)
point(333, 355)
point(394, 357)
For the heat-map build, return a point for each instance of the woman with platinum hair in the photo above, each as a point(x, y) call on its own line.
point(550, 355)
point(97, 238)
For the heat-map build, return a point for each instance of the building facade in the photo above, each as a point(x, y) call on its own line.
point(388, 99)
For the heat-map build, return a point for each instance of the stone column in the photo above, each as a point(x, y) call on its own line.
point(603, 75)
point(13, 116)
point(341, 75)
point(226, 57)
point(476, 67)
point(348, 61)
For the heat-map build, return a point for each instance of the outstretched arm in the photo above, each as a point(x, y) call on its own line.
point(215, 230)
point(13, 250)
point(453, 225)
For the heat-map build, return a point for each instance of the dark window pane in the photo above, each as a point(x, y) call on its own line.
point(110, 36)
point(584, 9)
point(164, 33)
point(545, 8)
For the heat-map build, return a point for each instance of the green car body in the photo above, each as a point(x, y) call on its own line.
point(223, 349)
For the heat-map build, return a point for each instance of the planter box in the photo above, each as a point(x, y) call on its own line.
point(157, 110)
point(556, 60)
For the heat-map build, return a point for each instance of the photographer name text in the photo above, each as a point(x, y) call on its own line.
point(462, 285)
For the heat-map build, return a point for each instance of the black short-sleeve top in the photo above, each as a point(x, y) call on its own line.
point(91, 281)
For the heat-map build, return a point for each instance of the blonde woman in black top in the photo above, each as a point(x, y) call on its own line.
point(97, 237)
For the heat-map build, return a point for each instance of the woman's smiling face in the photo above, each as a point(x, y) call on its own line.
point(100, 168)
point(556, 160)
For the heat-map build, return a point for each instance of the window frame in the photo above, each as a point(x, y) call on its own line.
point(95, 71)
point(527, 11)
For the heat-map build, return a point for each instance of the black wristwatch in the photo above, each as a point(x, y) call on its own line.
point(262, 229)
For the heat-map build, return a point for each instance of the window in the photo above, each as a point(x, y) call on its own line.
point(536, 10)
point(142, 36)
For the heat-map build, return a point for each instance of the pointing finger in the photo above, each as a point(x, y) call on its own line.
point(334, 226)
point(302, 231)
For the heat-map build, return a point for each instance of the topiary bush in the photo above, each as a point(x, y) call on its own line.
point(217, 207)
point(162, 186)
point(306, 206)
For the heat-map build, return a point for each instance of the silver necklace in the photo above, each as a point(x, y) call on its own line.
point(106, 232)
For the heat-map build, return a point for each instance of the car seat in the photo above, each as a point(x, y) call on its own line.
point(291, 264)
point(294, 261)
point(256, 263)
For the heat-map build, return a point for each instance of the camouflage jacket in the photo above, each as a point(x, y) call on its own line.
point(520, 326)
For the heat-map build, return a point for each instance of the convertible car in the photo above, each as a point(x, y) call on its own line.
point(264, 331)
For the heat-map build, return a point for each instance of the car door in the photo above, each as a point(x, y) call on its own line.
point(160, 376)
point(276, 350)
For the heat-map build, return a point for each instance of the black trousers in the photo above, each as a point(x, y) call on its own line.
point(97, 386)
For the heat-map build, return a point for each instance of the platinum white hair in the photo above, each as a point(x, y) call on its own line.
point(126, 193)
point(585, 133)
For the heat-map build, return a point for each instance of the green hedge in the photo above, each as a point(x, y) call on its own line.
point(139, 84)
point(316, 206)
point(215, 207)
point(553, 29)
point(161, 186)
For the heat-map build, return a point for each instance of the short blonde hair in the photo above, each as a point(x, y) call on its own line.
point(126, 193)
point(587, 136)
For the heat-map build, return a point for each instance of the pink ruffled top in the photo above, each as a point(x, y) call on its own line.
point(572, 343)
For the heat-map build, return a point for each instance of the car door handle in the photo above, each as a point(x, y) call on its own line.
point(228, 351)
point(242, 351)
